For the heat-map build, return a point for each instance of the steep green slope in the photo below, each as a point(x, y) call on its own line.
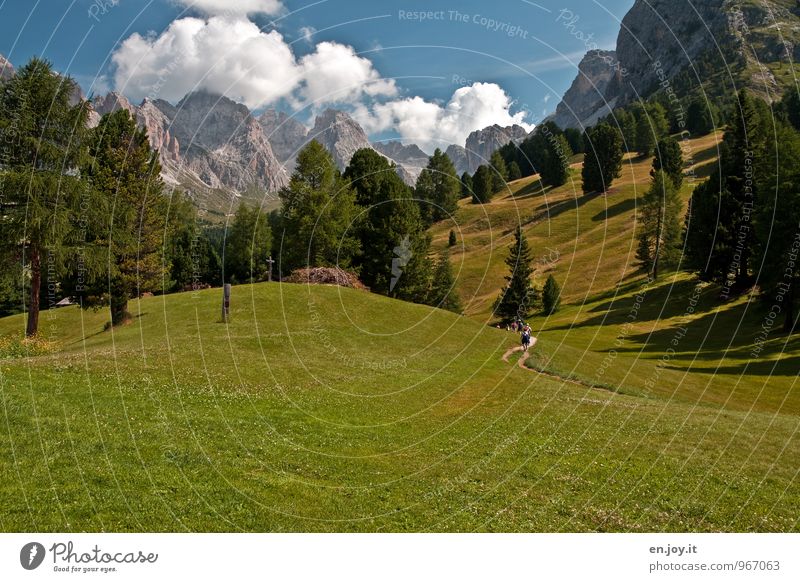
point(319, 408)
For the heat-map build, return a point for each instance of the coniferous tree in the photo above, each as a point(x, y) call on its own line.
point(443, 291)
point(318, 207)
point(651, 125)
point(518, 298)
point(391, 232)
point(699, 118)
point(466, 185)
point(659, 225)
point(451, 241)
point(499, 172)
point(125, 175)
point(551, 296)
point(248, 246)
point(514, 173)
point(438, 188)
point(42, 137)
point(482, 185)
point(555, 160)
point(574, 139)
point(602, 162)
point(668, 157)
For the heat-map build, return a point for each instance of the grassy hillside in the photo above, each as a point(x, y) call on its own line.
point(330, 409)
point(327, 409)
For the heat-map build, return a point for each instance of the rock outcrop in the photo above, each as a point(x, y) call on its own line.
point(410, 159)
point(340, 134)
point(458, 155)
point(286, 135)
point(481, 144)
point(585, 101)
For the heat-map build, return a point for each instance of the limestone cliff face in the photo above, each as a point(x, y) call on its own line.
point(410, 159)
point(586, 101)
point(482, 143)
point(682, 46)
point(458, 155)
point(286, 135)
point(340, 134)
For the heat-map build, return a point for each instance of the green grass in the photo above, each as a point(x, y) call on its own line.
point(326, 409)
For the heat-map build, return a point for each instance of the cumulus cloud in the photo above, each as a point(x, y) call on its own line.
point(230, 57)
point(334, 73)
point(234, 7)
point(233, 57)
point(431, 125)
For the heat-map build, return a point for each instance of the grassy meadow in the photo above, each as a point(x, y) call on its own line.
point(326, 409)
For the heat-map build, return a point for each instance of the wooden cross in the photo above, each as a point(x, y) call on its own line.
point(270, 262)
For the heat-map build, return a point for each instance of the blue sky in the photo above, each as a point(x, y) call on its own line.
point(528, 49)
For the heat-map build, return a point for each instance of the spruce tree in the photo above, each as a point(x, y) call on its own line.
point(499, 172)
point(659, 225)
point(124, 173)
point(318, 208)
point(482, 185)
point(668, 157)
point(602, 162)
point(438, 188)
point(555, 162)
point(514, 173)
point(443, 291)
point(551, 296)
point(466, 185)
point(42, 137)
point(248, 246)
point(451, 241)
point(518, 297)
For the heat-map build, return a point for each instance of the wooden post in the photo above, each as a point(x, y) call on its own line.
point(226, 302)
point(270, 262)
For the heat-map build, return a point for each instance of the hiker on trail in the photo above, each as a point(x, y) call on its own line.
point(514, 326)
point(526, 340)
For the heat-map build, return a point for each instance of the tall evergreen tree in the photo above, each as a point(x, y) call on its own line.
point(574, 139)
point(466, 185)
point(318, 208)
point(499, 172)
point(514, 173)
point(555, 163)
point(659, 225)
point(443, 286)
point(125, 175)
point(438, 188)
point(390, 229)
point(482, 185)
point(248, 246)
point(602, 162)
point(518, 297)
point(42, 137)
point(668, 157)
point(651, 125)
point(551, 296)
point(699, 117)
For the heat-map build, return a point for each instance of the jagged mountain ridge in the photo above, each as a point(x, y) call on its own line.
point(711, 48)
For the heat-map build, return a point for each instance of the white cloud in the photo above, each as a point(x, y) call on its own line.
point(233, 57)
point(234, 7)
point(431, 125)
point(307, 33)
point(334, 73)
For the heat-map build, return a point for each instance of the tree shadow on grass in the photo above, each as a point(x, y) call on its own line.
point(615, 210)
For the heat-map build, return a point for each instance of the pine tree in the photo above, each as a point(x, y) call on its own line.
point(318, 208)
point(518, 297)
point(699, 117)
point(651, 125)
point(438, 188)
point(248, 246)
point(443, 291)
point(482, 185)
point(514, 173)
point(602, 162)
point(125, 174)
point(42, 137)
point(659, 225)
point(551, 296)
point(451, 241)
point(668, 157)
point(391, 232)
point(499, 172)
point(466, 185)
point(574, 139)
point(555, 163)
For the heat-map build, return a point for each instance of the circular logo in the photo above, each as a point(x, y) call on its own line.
point(31, 555)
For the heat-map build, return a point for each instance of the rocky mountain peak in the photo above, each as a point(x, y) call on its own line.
point(585, 100)
point(340, 134)
point(286, 135)
point(482, 143)
point(6, 69)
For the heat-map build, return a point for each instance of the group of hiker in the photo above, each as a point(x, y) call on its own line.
point(524, 330)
